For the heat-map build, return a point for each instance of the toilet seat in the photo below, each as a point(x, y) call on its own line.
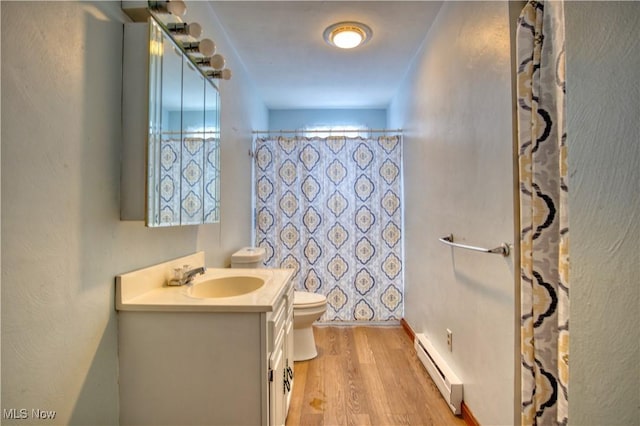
point(305, 299)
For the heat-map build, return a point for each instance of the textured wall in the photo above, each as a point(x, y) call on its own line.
point(603, 59)
point(455, 107)
point(62, 240)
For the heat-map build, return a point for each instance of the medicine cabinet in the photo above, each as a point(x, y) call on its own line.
point(171, 132)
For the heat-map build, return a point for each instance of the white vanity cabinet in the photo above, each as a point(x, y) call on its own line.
point(206, 367)
point(281, 360)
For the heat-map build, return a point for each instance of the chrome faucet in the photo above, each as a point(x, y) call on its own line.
point(184, 276)
point(189, 275)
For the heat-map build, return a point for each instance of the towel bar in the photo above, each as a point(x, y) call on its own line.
point(503, 249)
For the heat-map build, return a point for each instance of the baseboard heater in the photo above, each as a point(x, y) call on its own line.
point(449, 384)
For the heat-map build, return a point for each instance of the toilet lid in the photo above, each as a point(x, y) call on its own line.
point(308, 299)
point(248, 255)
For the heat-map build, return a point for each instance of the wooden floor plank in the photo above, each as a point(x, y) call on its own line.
point(392, 372)
point(377, 397)
point(313, 398)
point(309, 420)
point(299, 382)
point(337, 395)
point(365, 376)
point(365, 355)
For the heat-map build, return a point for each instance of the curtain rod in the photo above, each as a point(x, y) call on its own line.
point(260, 132)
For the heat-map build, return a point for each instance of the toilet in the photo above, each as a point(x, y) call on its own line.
point(307, 307)
point(248, 257)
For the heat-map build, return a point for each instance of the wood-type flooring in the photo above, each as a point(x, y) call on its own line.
point(365, 376)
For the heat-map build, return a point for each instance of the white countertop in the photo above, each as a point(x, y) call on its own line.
point(134, 292)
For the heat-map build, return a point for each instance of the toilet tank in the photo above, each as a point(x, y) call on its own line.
point(248, 257)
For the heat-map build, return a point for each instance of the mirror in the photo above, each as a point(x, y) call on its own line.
point(183, 160)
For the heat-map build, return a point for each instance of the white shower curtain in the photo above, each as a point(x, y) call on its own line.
point(544, 236)
point(330, 208)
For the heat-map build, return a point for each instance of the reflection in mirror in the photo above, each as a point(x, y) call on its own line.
point(170, 101)
point(212, 153)
point(183, 163)
point(192, 194)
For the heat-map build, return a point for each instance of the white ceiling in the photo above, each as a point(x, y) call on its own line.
point(281, 46)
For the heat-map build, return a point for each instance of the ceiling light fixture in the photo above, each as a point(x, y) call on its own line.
point(347, 35)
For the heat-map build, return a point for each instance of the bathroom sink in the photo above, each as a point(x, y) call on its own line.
point(225, 287)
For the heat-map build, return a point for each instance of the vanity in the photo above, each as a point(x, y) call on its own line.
point(214, 352)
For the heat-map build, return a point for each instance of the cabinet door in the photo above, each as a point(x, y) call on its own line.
point(183, 172)
point(277, 385)
point(165, 106)
point(212, 154)
point(289, 353)
point(192, 153)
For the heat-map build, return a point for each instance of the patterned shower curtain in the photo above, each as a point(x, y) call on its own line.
point(544, 236)
point(330, 208)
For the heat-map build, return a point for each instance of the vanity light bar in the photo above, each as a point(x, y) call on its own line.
point(168, 14)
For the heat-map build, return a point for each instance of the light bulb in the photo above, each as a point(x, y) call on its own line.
point(194, 30)
point(347, 39)
point(217, 62)
point(177, 7)
point(207, 47)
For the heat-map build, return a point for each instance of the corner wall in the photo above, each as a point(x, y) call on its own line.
point(455, 107)
point(241, 113)
point(62, 239)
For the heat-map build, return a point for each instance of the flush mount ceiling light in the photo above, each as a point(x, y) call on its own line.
point(347, 35)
